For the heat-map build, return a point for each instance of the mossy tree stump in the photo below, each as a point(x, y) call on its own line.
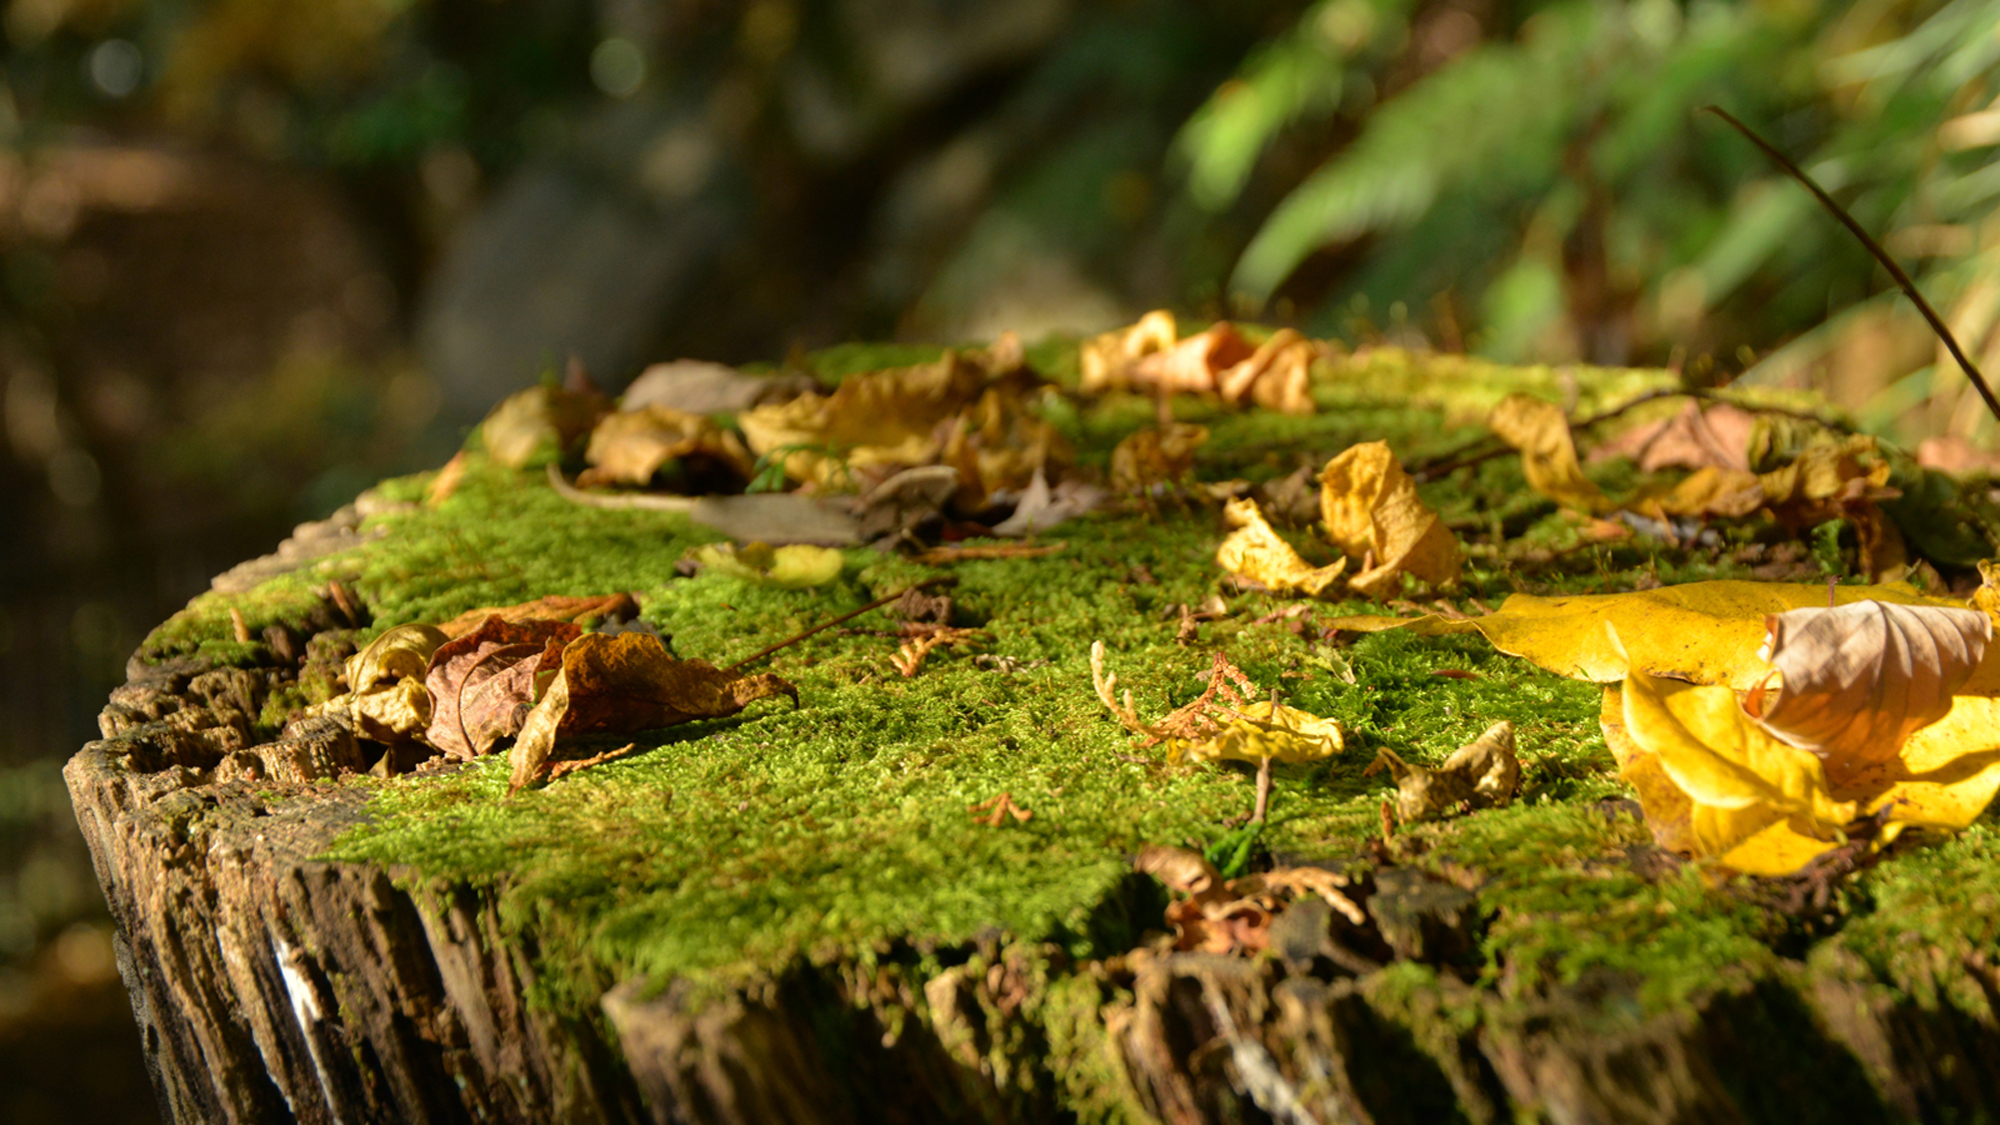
point(791, 915)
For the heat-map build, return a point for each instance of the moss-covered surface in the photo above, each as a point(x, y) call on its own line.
point(841, 828)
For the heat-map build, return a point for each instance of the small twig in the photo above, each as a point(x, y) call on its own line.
point(1902, 279)
point(1264, 767)
point(241, 627)
point(1002, 806)
point(942, 580)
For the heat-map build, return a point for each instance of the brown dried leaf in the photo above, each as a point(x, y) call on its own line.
point(628, 683)
point(1717, 436)
point(1156, 455)
point(1220, 360)
point(555, 607)
point(1858, 680)
point(630, 446)
point(538, 418)
point(1484, 773)
point(484, 683)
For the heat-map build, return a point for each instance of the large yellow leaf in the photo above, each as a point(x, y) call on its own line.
point(1373, 514)
point(1540, 430)
point(1702, 632)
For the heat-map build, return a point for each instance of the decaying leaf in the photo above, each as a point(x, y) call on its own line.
point(1220, 360)
point(625, 684)
point(694, 386)
point(555, 607)
point(1000, 445)
point(879, 420)
point(628, 447)
point(483, 684)
point(386, 700)
point(1256, 552)
point(1540, 430)
point(1213, 916)
point(1697, 437)
point(1156, 456)
point(1482, 774)
point(1372, 512)
point(1042, 507)
point(794, 567)
point(1221, 723)
point(1858, 680)
point(541, 417)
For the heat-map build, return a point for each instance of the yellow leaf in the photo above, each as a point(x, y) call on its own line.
point(1540, 430)
point(1251, 736)
point(1372, 512)
point(539, 418)
point(1986, 599)
point(1256, 552)
point(1702, 632)
point(387, 700)
point(796, 566)
point(1153, 456)
point(1737, 780)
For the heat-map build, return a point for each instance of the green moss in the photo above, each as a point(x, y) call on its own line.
point(737, 846)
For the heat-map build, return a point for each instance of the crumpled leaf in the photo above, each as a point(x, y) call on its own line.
point(1156, 456)
point(625, 684)
point(878, 420)
point(1256, 552)
point(1840, 478)
point(1484, 773)
point(483, 684)
point(1858, 680)
point(1220, 723)
point(1716, 436)
point(795, 567)
point(554, 607)
point(1000, 445)
point(1220, 360)
point(386, 700)
point(1213, 916)
point(1540, 430)
point(694, 386)
point(541, 417)
point(1372, 512)
point(1711, 491)
point(628, 447)
point(1042, 507)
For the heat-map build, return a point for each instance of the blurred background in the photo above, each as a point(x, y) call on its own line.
point(255, 254)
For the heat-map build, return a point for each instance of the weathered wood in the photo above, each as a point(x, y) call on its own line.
point(271, 986)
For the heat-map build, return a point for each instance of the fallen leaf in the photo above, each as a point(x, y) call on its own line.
point(1858, 680)
point(880, 420)
point(793, 567)
point(1484, 773)
point(694, 386)
point(1371, 511)
point(1701, 632)
point(1256, 552)
point(1220, 723)
point(1715, 784)
point(625, 684)
point(1155, 456)
point(537, 419)
point(1000, 444)
point(1210, 915)
point(1540, 431)
point(482, 684)
point(386, 700)
point(1042, 507)
point(1953, 454)
point(1697, 437)
point(907, 500)
point(554, 607)
point(630, 446)
point(1220, 360)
